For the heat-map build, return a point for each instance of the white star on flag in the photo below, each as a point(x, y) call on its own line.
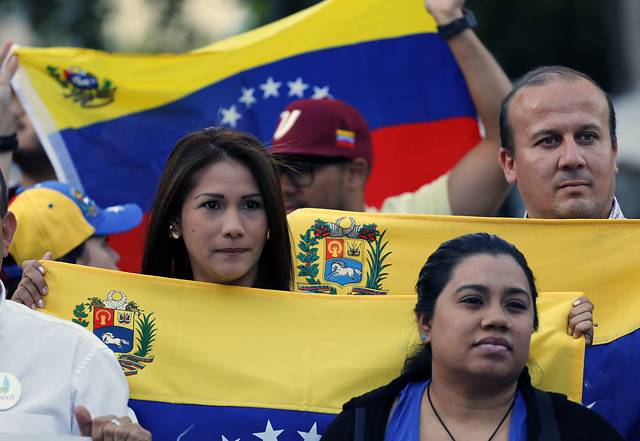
point(321, 92)
point(311, 435)
point(115, 209)
point(230, 116)
point(270, 88)
point(247, 97)
point(269, 434)
point(224, 438)
point(297, 87)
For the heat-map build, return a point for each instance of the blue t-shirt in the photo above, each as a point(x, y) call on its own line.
point(404, 424)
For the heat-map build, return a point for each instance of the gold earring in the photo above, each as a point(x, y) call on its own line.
point(268, 235)
point(173, 233)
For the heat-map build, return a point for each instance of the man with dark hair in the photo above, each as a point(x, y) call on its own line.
point(557, 128)
point(558, 134)
point(328, 142)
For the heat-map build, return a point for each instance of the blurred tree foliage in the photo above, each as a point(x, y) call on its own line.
point(582, 34)
point(62, 22)
point(267, 11)
point(522, 34)
point(79, 23)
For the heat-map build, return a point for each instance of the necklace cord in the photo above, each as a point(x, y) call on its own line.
point(447, 429)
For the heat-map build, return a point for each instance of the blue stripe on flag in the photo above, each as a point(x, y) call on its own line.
point(395, 81)
point(611, 383)
point(188, 422)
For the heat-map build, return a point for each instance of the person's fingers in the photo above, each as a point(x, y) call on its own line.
point(35, 273)
point(4, 50)
point(83, 417)
point(32, 287)
point(27, 294)
point(581, 301)
point(10, 67)
point(112, 428)
point(582, 311)
point(582, 325)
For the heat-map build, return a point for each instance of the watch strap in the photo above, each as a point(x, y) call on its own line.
point(8, 143)
point(468, 20)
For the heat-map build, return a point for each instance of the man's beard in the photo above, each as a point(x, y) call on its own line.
point(33, 161)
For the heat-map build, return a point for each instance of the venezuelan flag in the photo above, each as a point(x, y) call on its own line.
point(108, 121)
point(596, 257)
point(218, 362)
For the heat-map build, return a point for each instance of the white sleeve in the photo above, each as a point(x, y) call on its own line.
point(100, 385)
point(431, 198)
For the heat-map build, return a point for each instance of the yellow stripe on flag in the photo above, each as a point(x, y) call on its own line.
point(597, 257)
point(230, 346)
point(147, 81)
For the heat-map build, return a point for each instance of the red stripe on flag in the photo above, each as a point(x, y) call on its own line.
point(410, 155)
point(129, 245)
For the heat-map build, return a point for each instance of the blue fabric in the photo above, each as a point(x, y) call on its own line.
point(611, 385)
point(404, 424)
point(192, 422)
point(128, 153)
point(518, 427)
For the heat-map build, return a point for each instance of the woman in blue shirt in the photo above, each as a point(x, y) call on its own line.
point(476, 311)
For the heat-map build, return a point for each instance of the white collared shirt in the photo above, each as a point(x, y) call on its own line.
point(59, 365)
point(615, 213)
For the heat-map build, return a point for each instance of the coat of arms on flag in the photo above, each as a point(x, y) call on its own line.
point(352, 258)
point(83, 87)
point(114, 321)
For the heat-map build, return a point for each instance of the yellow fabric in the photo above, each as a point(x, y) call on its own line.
point(47, 221)
point(597, 257)
point(221, 345)
point(147, 81)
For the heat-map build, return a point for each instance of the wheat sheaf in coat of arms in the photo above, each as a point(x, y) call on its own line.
point(117, 322)
point(342, 257)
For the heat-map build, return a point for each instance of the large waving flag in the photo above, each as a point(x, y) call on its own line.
point(207, 361)
point(356, 253)
point(108, 121)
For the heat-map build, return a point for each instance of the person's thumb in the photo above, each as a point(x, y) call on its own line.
point(84, 420)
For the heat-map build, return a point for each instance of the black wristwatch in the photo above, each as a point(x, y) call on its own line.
point(8, 143)
point(468, 20)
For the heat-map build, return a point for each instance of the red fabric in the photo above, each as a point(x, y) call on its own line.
point(410, 155)
point(130, 246)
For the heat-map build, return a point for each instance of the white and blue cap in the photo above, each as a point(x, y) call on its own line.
point(57, 217)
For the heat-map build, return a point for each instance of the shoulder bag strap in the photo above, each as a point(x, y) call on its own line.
point(548, 423)
point(360, 422)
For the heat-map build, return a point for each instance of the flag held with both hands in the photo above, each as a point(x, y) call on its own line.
point(596, 257)
point(208, 361)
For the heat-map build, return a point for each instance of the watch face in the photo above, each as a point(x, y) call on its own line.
point(471, 19)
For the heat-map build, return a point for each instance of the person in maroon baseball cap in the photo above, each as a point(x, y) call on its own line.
point(326, 144)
